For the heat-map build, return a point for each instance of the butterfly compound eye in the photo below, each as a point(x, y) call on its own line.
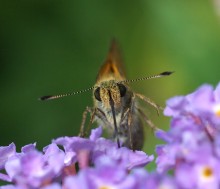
point(97, 94)
point(122, 89)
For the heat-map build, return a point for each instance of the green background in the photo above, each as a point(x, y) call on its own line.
point(53, 47)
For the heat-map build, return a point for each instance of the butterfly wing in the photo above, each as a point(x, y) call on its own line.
point(113, 67)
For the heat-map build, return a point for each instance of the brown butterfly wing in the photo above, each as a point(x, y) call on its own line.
point(113, 66)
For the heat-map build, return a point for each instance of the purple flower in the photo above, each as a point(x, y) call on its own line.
point(105, 174)
point(5, 153)
point(28, 148)
point(153, 180)
point(157, 181)
point(166, 159)
point(184, 141)
point(202, 106)
point(204, 174)
point(33, 168)
point(100, 164)
point(95, 146)
point(11, 187)
point(175, 106)
point(216, 146)
point(197, 102)
point(75, 143)
point(122, 155)
point(74, 146)
point(192, 149)
point(51, 186)
point(95, 134)
point(207, 173)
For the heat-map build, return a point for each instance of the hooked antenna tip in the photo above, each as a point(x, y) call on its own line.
point(45, 97)
point(166, 73)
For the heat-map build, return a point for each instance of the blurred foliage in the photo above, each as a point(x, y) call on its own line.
point(53, 47)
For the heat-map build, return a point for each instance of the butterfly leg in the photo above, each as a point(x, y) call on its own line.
point(147, 120)
point(94, 112)
point(82, 127)
point(149, 101)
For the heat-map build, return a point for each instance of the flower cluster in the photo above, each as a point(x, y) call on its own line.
point(72, 162)
point(189, 159)
point(192, 149)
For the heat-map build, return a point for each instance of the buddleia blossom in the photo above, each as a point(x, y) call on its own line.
point(192, 143)
point(32, 168)
point(108, 174)
point(97, 146)
point(50, 168)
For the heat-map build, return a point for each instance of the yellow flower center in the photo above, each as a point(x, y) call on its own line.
point(217, 110)
point(105, 187)
point(217, 113)
point(207, 172)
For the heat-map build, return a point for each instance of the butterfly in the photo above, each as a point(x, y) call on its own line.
point(116, 105)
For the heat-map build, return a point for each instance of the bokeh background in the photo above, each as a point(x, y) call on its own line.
point(53, 47)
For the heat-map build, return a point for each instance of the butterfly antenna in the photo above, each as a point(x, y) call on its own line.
point(167, 73)
point(51, 97)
